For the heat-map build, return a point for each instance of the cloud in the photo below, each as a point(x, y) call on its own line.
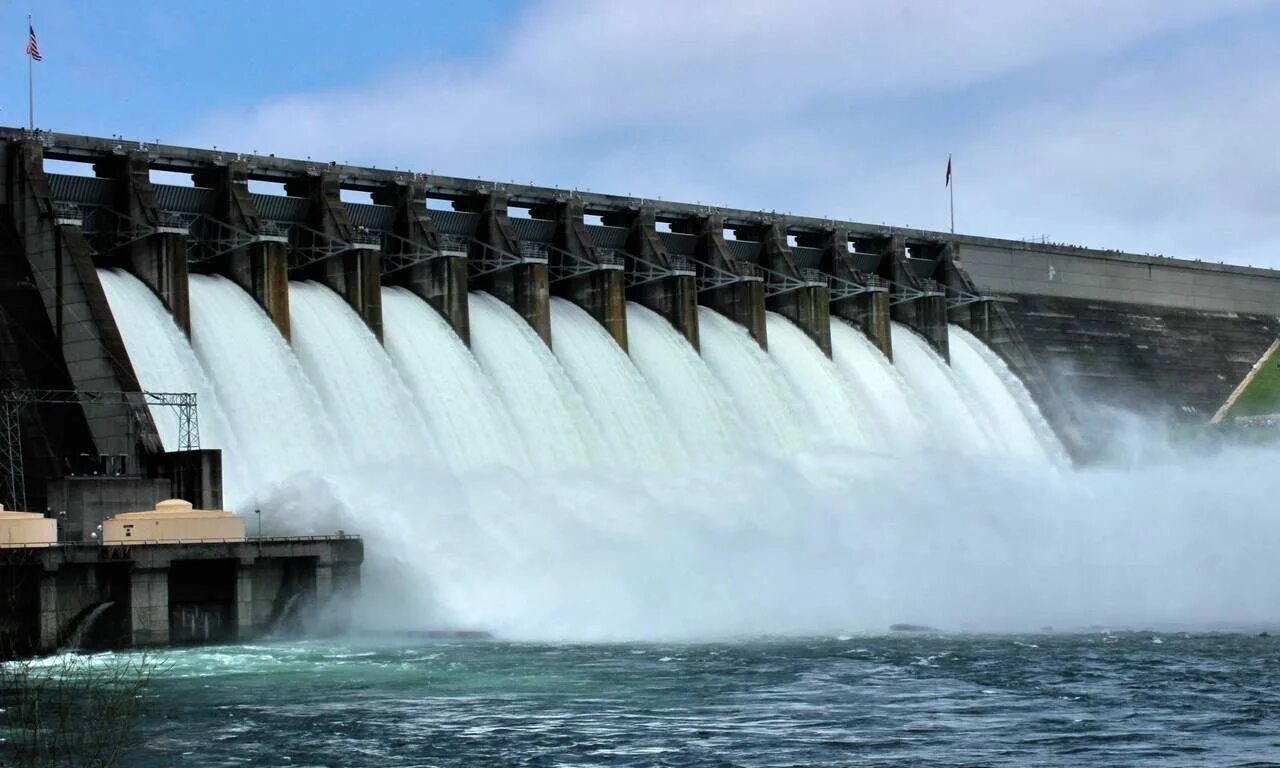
point(1062, 120)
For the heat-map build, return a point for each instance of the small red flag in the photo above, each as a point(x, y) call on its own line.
point(948, 170)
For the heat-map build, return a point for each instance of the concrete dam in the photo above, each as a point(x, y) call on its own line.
point(279, 334)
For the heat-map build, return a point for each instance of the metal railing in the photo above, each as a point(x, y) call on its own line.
point(68, 214)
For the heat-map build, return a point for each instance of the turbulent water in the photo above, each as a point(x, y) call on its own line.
point(573, 498)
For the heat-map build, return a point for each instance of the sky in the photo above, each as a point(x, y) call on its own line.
point(1143, 125)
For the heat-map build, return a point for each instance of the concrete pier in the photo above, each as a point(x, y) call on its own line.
point(162, 594)
point(868, 308)
point(440, 281)
point(334, 252)
point(600, 291)
point(807, 305)
point(259, 267)
point(654, 282)
point(741, 299)
point(919, 305)
point(524, 286)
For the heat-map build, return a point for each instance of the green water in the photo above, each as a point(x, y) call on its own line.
point(1137, 698)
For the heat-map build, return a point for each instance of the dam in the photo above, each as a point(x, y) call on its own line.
point(324, 341)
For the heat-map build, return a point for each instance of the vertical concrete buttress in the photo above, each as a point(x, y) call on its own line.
point(742, 301)
point(158, 259)
point(149, 606)
point(524, 287)
point(601, 292)
point(926, 315)
point(442, 281)
point(808, 307)
point(356, 274)
point(868, 311)
point(675, 297)
point(261, 268)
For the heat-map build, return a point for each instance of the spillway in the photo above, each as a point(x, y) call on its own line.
point(363, 395)
point(275, 413)
point(470, 424)
point(938, 390)
point(546, 408)
point(754, 382)
point(881, 391)
point(623, 408)
point(707, 420)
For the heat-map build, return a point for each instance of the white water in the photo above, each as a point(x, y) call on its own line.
point(990, 384)
point(163, 362)
point(273, 410)
point(622, 406)
point(783, 536)
point(707, 420)
point(831, 413)
point(546, 408)
point(766, 401)
point(364, 397)
point(470, 423)
point(939, 392)
point(86, 626)
point(881, 391)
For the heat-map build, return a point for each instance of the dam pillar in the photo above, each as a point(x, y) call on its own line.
point(159, 257)
point(920, 304)
point(441, 278)
point(260, 267)
point(49, 626)
point(807, 306)
point(739, 294)
point(655, 278)
point(70, 338)
point(355, 270)
point(859, 297)
point(149, 606)
point(524, 285)
point(592, 280)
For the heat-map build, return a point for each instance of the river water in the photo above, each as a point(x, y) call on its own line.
point(1098, 698)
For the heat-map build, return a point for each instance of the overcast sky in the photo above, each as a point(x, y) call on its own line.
point(1146, 125)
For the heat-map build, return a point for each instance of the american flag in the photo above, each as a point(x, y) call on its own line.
point(33, 50)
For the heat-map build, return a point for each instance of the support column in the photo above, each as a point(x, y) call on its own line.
point(925, 315)
point(869, 311)
point(808, 307)
point(50, 627)
point(675, 297)
point(246, 629)
point(159, 259)
point(601, 292)
point(260, 268)
point(442, 281)
point(149, 606)
point(743, 301)
point(355, 274)
point(524, 287)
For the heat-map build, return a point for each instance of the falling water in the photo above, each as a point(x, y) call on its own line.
point(939, 391)
point(272, 408)
point(85, 626)
point(879, 389)
point(706, 418)
point(622, 406)
point(754, 381)
point(542, 401)
point(363, 395)
point(990, 384)
point(824, 393)
point(470, 424)
point(163, 362)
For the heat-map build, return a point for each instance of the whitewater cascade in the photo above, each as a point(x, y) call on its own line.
point(795, 493)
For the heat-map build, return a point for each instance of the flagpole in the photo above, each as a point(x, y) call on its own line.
point(31, 91)
point(951, 193)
